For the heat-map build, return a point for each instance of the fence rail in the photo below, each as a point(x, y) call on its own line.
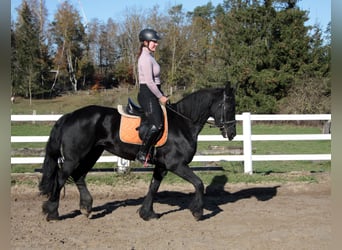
point(247, 157)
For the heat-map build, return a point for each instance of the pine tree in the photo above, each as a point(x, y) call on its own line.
point(30, 56)
point(27, 53)
point(262, 46)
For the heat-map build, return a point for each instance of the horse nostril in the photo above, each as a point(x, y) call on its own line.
point(231, 135)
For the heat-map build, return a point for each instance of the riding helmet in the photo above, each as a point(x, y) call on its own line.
point(148, 35)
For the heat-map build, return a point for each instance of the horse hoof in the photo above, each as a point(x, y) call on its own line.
point(151, 217)
point(51, 214)
point(52, 218)
point(197, 215)
point(146, 216)
point(85, 212)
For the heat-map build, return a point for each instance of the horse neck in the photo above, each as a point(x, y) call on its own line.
point(196, 106)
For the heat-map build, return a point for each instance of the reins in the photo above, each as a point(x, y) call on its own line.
point(223, 121)
point(168, 105)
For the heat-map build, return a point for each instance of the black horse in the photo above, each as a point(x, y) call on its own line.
point(78, 139)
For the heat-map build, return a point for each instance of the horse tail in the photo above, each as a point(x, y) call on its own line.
point(53, 154)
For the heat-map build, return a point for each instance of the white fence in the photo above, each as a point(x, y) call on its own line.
point(246, 138)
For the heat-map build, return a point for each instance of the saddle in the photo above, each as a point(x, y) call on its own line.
point(133, 109)
point(132, 122)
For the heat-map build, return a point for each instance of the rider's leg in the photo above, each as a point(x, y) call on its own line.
point(155, 119)
point(149, 141)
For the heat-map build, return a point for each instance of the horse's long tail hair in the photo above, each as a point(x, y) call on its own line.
point(48, 184)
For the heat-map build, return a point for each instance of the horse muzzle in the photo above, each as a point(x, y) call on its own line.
point(228, 132)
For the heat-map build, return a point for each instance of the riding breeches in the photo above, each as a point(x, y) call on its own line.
point(151, 106)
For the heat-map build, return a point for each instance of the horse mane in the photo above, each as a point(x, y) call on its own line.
point(196, 105)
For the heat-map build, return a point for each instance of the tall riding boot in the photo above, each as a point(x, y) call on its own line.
point(148, 142)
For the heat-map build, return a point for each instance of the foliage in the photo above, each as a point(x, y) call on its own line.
point(69, 36)
point(29, 56)
point(309, 96)
point(263, 47)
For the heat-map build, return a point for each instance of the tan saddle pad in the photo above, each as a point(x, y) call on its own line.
point(128, 128)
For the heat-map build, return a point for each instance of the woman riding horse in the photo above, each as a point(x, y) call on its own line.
point(78, 139)
point(150, 95)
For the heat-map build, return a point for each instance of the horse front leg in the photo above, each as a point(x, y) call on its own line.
point(146, 211)
point(196, 206)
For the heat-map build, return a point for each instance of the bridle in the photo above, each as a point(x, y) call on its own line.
point(223, 118)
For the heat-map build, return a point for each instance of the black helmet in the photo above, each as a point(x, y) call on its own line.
point(148, 35)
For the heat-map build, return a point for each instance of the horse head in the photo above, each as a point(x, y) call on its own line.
point(224, 113)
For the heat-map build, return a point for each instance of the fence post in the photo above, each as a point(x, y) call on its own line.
point(247, 142)
point(34, 113)
point(123, 165)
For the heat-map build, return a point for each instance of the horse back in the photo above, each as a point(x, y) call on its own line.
point(90, 115)
point(85, 126)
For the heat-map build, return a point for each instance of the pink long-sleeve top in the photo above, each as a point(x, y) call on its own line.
point(149, 72)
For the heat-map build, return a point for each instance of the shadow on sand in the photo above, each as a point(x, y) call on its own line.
point(215, 196)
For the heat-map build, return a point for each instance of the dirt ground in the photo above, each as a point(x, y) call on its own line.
point(236, 216)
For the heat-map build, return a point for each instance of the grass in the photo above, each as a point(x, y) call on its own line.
point(72, 101)
point(233, 171)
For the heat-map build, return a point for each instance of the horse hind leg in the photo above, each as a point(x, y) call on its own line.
point(79, 175)
point(47, 186)
point(50, 207)
point(86, 200)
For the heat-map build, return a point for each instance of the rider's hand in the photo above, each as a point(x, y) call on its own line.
point(163, 100)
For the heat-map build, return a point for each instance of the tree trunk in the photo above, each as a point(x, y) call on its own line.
point(72, 73)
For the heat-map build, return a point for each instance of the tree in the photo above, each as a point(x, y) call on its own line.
point(176, 16)
point(311, 92)
point(27, 51)
point(128, 43)
point(69, 36)
point(103, 49)
point(31, 61)
point(263, 47)
point(201, 51)
point(15, 76)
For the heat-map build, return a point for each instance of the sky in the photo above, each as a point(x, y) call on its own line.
point(319, 10)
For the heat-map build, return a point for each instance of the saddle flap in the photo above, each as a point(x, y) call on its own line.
point(128, 128)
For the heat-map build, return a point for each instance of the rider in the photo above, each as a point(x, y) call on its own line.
point(150, 95)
